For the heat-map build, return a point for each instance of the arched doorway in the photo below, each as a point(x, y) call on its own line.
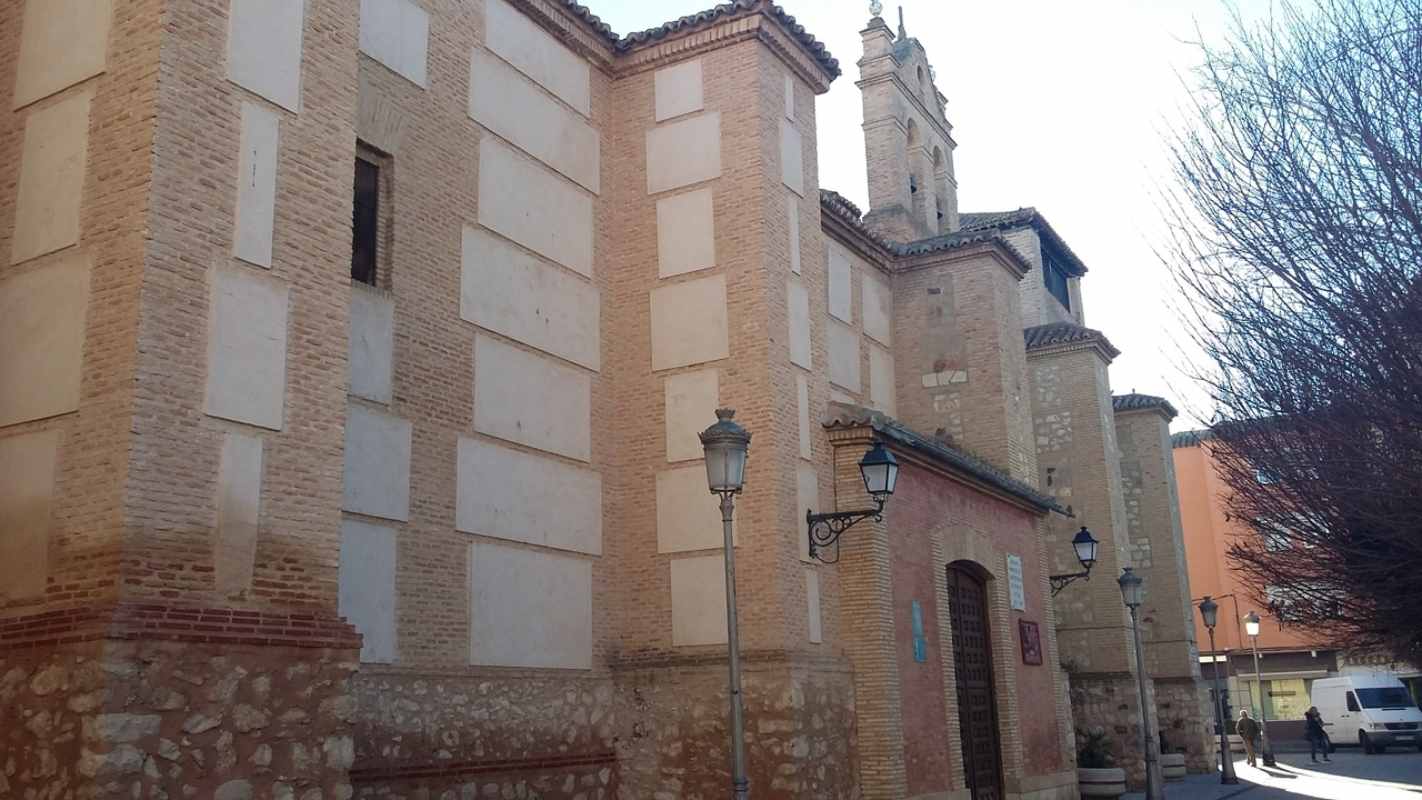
point(972, 661)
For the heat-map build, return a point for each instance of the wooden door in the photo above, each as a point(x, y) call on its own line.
point(977, 707)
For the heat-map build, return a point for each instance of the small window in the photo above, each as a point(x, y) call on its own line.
point(1054, 275)
point(1352, 702)
point(365, 222)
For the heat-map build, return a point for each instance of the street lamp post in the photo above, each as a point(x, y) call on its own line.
point(1133, 593)
point(1209, 612)
point(726, 445)
point(1251, 627)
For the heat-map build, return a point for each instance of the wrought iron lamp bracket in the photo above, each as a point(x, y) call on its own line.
point(825, 529)
point(1060, 582)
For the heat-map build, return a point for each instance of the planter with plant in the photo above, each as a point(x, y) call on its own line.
point(1094, 773)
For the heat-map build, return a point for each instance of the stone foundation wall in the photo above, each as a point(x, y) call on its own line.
point(1183, 714)
point(166, 719)
point(672, 741)
point(1110, 703)
point(463, 734)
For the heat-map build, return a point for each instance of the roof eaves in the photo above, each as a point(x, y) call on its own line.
point(1142, 402)
point(845, 415)
point(1067, 336)
point(710, 16)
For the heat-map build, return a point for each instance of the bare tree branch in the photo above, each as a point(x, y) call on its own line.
point(1296, 247)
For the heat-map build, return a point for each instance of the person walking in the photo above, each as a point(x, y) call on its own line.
point(1248, 730)
point(1317, 736)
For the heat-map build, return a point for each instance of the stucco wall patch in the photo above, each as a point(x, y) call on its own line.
point(377, 469)
point(246, 347)
point(51, 188)
point(514, 293)
point(689, 324)
point(239, 501)
point(264, 48)
point(523, 198)
point(532, 400)
point(505, 493)
point(688, 516)
point(678, 90)
point(396, 33)
point(42, 315)
point(529, 608)
point(367, 587)
point(684, 152)
point(62, 43)
point(691, 401)
point(256, 185)
point(686, 233)
point(698, 595)
point(27, 475)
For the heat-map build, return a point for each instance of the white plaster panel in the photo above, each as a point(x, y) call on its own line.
point(691, 401)
point(840, 283)
point(839, 396)
point(397, 34)
point(239, 501)
point(799, 315)
point(678, 89)
point(534, 207)
point(264, 48)
point(792, 218)
point(246, 347)
point(802, 397)
point(878, 304)
point(509, 291)
point(844, 356)
point(881, 380)
point(532, 400)
point(689, 324)
point(62, 42)
point(684, 152)
point(377, 471)
point(524, 497)
point(686, 233)
point(519, 41)
point(698, 590)
point(372, 343)
point(52, 161)
point(366, 587)
point(528, 608)
point(42, 330)
point(688, 515)
point(27, 468)
point(812, 603)
point(515, 108)
point(789, 96)
point(256, 185)
point(807, 498)
point(792, 158)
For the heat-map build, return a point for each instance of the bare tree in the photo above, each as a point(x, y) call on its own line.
point(1297, 251)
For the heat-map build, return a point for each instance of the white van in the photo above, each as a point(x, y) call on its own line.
point(1374, 711)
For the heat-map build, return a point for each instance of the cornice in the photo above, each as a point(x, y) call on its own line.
point(681, 43)
point(558, 19)
point(1102, 350)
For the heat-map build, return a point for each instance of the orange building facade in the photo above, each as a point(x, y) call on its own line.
point(1289, 658)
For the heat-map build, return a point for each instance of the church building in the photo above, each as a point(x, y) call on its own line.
point(352, 359)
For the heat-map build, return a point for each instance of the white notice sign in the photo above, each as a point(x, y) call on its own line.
point(1014, 583)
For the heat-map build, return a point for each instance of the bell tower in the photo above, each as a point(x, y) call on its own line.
point(908, 140)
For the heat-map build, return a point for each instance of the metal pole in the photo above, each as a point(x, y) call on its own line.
point(1263, 710)
point(740, 784)
point(1155, 783)
point(1226, 757)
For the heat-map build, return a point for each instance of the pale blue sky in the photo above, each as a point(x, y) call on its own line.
point(1058, 104)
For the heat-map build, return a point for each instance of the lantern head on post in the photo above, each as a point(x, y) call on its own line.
point(1084, 545)
point(1132, 588)
point(880, 471)
point(726, 445)
point(1209, 612)
point(1251, 624)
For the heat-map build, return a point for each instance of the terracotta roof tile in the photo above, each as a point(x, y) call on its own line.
point(1056, 333)
point(1139, 402)
point(845, 415)
point(735, 8)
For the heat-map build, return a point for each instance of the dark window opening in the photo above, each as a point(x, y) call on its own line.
point(365, 217)
point(913, 185)
point(1352, 703)
point(1056, 279)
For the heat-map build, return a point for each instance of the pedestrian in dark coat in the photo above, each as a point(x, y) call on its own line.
point(1317, 736)
point(1248, 731)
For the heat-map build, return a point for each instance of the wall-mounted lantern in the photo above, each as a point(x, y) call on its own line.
point(880, 471)
point(1085, 546)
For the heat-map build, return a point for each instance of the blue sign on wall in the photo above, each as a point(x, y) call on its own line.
point(920, 642)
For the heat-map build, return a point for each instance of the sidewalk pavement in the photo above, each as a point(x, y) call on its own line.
point(1198, 787)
